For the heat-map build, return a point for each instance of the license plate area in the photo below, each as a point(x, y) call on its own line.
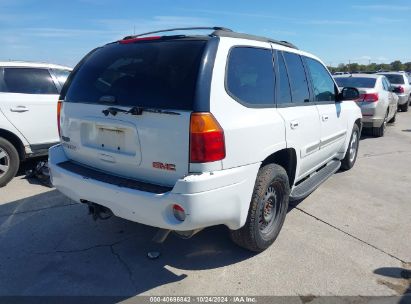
point(111, 140)
point(114, 139)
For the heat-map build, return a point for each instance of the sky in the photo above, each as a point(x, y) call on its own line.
point(63, 32)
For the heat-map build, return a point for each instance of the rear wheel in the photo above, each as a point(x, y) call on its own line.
point(404, 107)
point(379, 132)
point(9, 161)
point(352, 151)
point(267, 211)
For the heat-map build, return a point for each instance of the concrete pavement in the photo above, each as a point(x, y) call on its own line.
point(352, 236)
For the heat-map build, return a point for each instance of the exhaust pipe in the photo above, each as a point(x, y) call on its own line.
point(97, 211)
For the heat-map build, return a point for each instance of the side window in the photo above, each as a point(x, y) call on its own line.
point(323, 84)
point(283, 93)
point(61, 75)
point(298, 79)
point(28, 81)
point(385, 84)
point(250, 76)
point(2, 84)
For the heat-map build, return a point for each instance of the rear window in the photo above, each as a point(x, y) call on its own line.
point(161, 74)
point(27, 81)
point(396, 79)
point(356, 82)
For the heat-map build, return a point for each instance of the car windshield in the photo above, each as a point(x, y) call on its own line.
point(395, 78)
point(160, 74)
point(356, 82)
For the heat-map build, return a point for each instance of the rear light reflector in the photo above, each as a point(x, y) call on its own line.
point(132, 40)
point(179, 212)
point(59, 107)
point(207, 142)
point(400, 89)
point(373, 97)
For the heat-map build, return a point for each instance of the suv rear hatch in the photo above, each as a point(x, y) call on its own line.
point(127, 108)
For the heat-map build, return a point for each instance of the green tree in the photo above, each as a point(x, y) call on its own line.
point(397, 65)
point(353, 67)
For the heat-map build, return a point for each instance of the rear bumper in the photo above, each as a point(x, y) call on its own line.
point(214, 198)
point(403, 99)
point(372, 122)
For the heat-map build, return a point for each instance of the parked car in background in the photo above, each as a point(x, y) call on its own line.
point(377, 100)
point(28, 108)
point(185, 132)
point(402, 82)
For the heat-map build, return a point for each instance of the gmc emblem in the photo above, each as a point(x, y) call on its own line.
point(162, 166)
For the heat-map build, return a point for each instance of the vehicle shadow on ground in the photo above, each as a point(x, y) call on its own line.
point(403, 284)
point(50, 246)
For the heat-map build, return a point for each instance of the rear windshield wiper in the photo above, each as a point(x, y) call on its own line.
point(136, 111)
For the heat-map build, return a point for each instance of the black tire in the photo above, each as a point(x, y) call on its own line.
point(349, 159)
point(404, 107)
point(394, 118)
point(267, 212)
point(9, 161)
point(380, 131)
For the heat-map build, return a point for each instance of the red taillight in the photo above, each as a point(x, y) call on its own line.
point(59, 107)
point(132, 40)
point(400, 89)
point(373, 97)
point(207, 142)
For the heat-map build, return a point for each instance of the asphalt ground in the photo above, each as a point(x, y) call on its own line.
point(352, 236)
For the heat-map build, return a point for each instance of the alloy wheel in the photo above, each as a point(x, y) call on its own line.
point(353, 146)
point(4, 162)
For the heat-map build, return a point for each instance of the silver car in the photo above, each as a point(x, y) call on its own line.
point(402, 83)
point(377, 100)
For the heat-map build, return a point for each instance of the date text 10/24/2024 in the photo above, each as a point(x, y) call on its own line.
point(203, 299)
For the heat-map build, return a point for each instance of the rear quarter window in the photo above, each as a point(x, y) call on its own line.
point(161, 74)
point(27, 81)
point(61, 76)
point(250, 76)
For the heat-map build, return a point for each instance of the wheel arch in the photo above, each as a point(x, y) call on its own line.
point(15, 141)
point(287, 158)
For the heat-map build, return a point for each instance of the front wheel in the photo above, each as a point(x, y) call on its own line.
point(9, 161)
point(267, 212)
point(351, 154)
point(394, 118)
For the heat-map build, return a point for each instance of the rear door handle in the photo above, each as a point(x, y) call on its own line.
point(19, 109)
point(325, 117)
point(294, 124)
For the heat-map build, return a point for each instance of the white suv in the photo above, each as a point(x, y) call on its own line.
point(28, 101)
point(185, 132)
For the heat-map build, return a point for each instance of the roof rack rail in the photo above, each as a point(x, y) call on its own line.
point(219, 32)
point(252, 37)
point(215, 28)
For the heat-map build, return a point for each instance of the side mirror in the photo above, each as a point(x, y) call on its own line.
point(349, 93)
